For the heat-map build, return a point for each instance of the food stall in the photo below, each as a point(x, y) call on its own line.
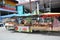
point(44, 22)
point(23, 24)
point(55, 20)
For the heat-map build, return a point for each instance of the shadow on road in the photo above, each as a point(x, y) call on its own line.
point(40, 32)
point(47, 33)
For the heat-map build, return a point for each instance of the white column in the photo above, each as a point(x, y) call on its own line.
point(37, 8)
point(3, 1)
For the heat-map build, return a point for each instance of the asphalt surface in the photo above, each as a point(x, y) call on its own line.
point(10, 35)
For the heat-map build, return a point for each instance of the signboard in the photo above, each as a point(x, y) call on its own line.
point(20, 9)
point(23, 28)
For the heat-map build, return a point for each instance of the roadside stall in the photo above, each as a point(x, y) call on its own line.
point(55, 20)
point(40, 24)
point(32, 23)
point(23, 23)
point(43, 22)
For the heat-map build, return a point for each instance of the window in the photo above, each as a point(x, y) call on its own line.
point(55, 10)
point(8, 5)
point(1, 4)
point(26, 10)
point(5, 13)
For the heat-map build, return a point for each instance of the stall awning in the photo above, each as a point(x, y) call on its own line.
point(29, 14)
point(50, 15)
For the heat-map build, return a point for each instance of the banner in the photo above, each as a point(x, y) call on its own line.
point(56, 23)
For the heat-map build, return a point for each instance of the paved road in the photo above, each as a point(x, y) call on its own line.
point(9, 35)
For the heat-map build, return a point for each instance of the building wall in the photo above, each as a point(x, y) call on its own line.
point(8, 6)
point(0, 0)
point(10, 2)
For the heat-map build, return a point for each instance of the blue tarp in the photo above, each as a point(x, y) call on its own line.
point(29, 14)
point(6, 10)
point(8, 16)
point(11, 15)
point(23, 15)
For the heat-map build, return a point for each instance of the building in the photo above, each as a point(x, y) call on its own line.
point(7, 7)
point(54, 5)
point(44, 6)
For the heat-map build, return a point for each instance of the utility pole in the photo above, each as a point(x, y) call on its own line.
point(44, 4)
point(30, 6)
point(50, 5)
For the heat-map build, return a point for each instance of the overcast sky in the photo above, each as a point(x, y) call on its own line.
point(22, 1)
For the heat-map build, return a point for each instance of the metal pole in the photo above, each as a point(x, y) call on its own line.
point(30, 6)
point(49, 5)
point(44, 5)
